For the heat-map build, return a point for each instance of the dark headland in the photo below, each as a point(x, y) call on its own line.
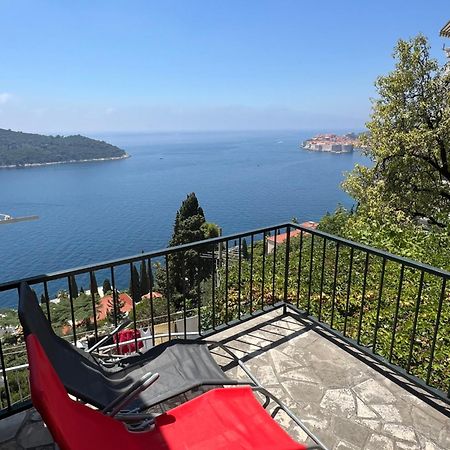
point(19, 149)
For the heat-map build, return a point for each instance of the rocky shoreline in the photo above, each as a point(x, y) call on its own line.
point(72, 161)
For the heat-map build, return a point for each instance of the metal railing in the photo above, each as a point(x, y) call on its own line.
point(394, 309)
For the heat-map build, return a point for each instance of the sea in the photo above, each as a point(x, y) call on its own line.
point(94, 212)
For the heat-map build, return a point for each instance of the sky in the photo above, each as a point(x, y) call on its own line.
point(196, 65)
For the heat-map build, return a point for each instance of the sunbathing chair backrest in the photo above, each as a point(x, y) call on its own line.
point(80, 373)
point(73, 425)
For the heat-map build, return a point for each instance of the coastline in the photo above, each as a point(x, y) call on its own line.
point(337, 152)
point(72, 161)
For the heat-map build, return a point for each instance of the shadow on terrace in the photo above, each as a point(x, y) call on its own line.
point(355, 341)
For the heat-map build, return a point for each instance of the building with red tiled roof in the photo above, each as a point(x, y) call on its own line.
point(280, 238)
point(154, 295)
point(106, 302)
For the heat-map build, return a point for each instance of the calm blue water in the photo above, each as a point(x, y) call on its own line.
point(100, 211)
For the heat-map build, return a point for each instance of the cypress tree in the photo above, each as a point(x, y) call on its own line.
point(244, 249)
point(106, 286)
point(183, 266)
point(73, 288)
point(145, 281)
point(94, 286)
point(135, 285)
point(43, 299)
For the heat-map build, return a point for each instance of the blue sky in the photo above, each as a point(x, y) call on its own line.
point(87, 66)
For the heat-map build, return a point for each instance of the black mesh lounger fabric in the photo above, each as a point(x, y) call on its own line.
point(181, 364)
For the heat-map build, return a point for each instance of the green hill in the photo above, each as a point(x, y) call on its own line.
point(20, 149)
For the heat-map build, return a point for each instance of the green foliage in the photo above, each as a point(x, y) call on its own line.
point(8, 317)
point(18, 149)
point(144, 311)
point(408, 139)
point(61, 313)
point(244, 249)
point(210, 230)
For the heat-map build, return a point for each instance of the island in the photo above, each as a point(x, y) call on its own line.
point(19, 149)
point(332, 143)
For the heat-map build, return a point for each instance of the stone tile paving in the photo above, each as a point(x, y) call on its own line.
point(345, 402)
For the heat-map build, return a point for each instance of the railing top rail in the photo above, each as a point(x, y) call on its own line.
point(375, 251)
point(198, 244)
point(135, 258)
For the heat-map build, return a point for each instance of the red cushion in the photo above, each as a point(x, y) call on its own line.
point(221, 419)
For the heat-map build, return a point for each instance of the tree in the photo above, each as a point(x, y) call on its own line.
point(73, 288)
point(115, 315)
point(106, 286)
point(135, 285)
point(408, 140)
point(244, 249)
point(145, 280)
point(185, 267)
point(94, 286)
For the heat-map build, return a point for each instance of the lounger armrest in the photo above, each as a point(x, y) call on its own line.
point(120, 327)
point(130, 417)
point(130, 394)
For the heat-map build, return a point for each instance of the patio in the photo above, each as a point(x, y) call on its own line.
point(347, 400)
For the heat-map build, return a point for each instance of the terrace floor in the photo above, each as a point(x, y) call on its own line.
point(347, 400)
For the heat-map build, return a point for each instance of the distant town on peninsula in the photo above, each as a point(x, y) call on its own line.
point(19, 149)
point(332, 143)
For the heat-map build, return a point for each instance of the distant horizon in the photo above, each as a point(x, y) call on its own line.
point(187, 131)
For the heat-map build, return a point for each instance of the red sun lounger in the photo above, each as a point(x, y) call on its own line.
point(221, 419)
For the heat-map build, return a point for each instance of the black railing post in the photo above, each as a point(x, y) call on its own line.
point(239, 278)
point(251, 274)
point(152, 310)
point(397, 307)
point(199, 295)
point(274, 263)
point(115, 303)
point(5, 377)
point(213, 288)
point(263, 275)
point(94, 308)
point(349, 290)
point(47, 301)
point(299, 272)
point(322, 273)
point(436, 328)
point(72, 312)
point(416, 316)
point(168, 297)
point(286, 268)
point(380, 297)
point(310, 275)
point(363, 298)
point(134, 290)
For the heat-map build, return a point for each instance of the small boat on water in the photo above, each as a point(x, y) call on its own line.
point(6, 218)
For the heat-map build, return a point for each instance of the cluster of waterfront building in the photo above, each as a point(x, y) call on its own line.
point(331, 143)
